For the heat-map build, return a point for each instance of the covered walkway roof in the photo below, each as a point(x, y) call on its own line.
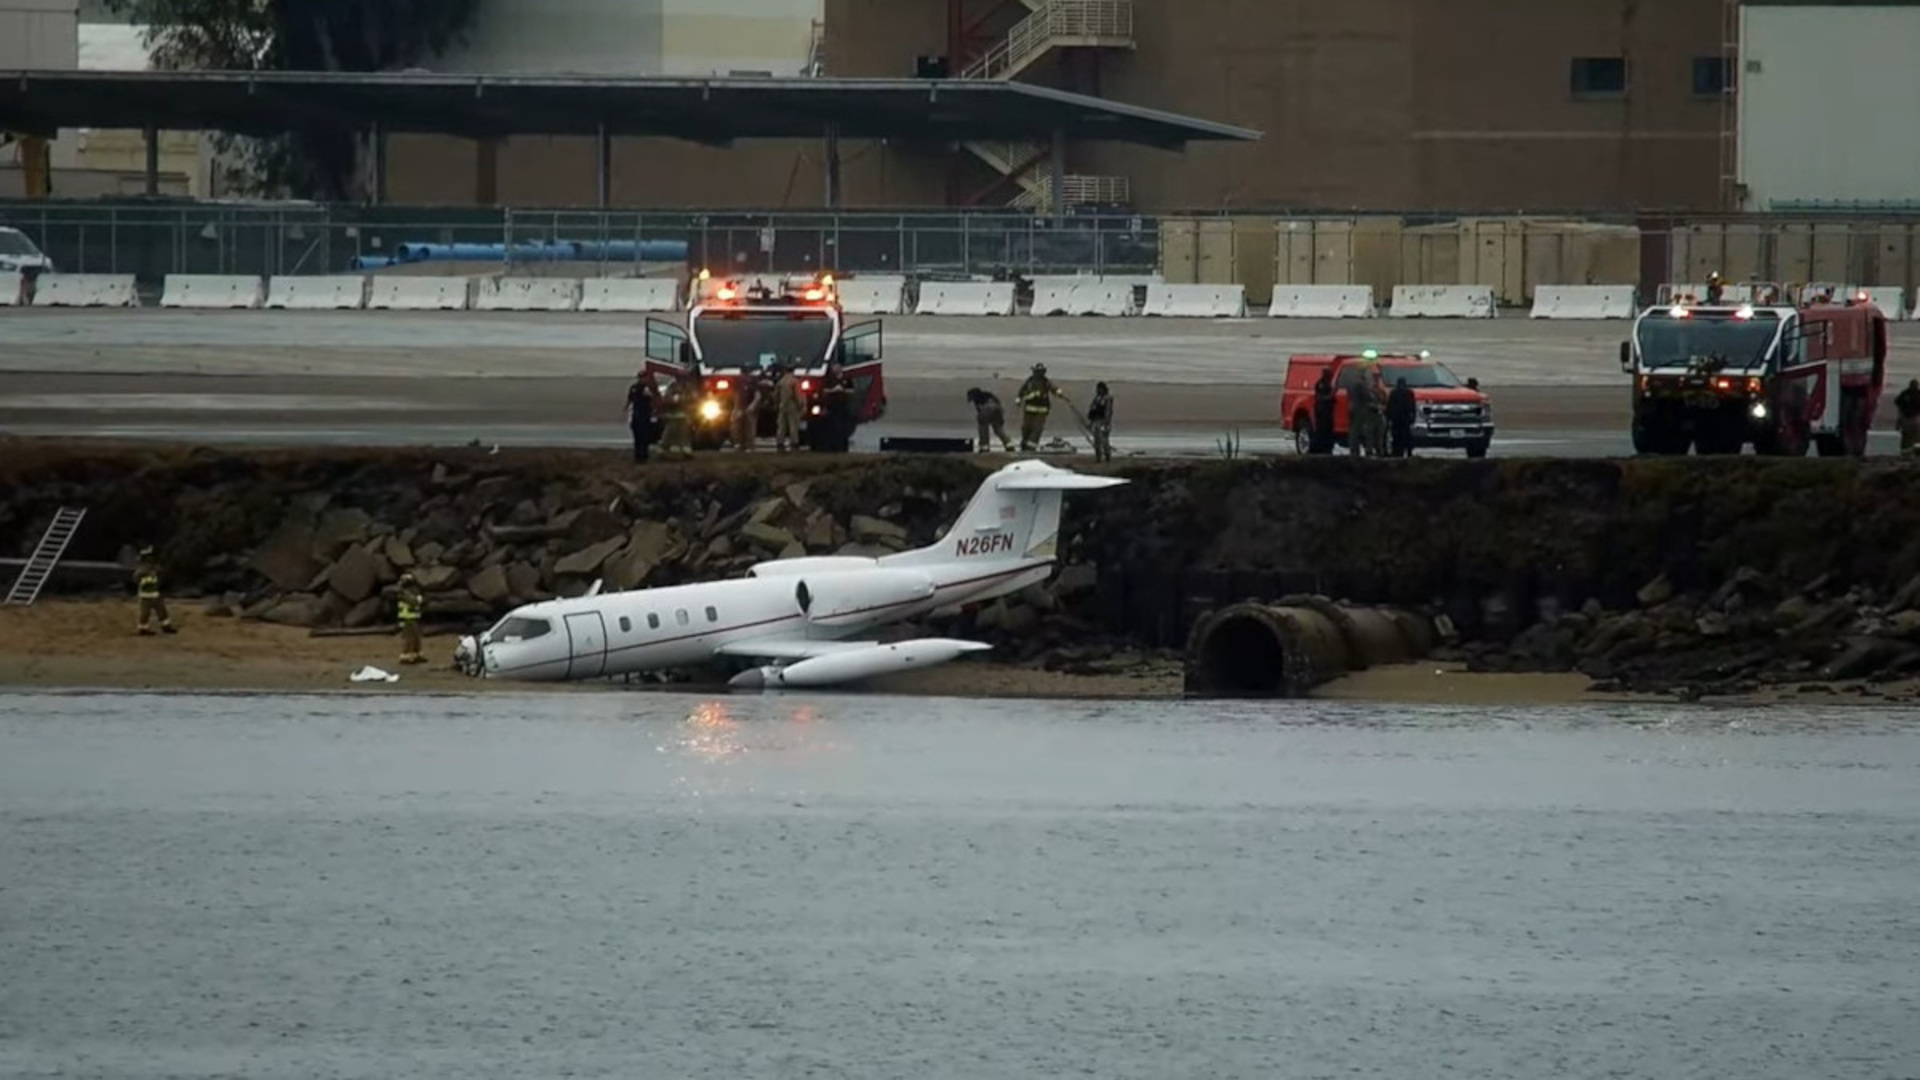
point(712, 111)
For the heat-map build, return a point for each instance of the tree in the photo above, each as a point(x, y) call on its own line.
point(313, 161)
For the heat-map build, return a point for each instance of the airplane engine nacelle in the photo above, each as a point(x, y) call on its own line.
point(819, 564)
point(841, 598)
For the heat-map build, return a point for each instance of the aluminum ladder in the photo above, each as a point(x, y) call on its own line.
point(53, 544)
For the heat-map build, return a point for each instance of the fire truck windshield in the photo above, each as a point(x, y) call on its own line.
point(1666, 341)
point(755, 339)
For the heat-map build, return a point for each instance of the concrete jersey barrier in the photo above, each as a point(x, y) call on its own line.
point(85, 290)
point(13, 288)
point(1196, 301)
point(1322, 302)
point(1084, 296)
point(527, 294)
point(880, 295)
point(630, 294)
point(965, 298)
point(320, 292)
point(1890, 299)
point(1583, 302)
point(394, 293)
point(1443, 302)
point(212, 291)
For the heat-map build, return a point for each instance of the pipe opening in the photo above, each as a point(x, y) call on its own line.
point(1243, 654)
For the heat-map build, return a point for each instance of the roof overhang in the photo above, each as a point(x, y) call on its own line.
point(712, 111)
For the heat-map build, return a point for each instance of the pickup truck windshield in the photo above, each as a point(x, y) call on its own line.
point(751, 340)
point(1669, 342)
point(1419, 376)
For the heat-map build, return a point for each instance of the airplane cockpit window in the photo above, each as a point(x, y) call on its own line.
point(680, 616)
point(802, 596)
point(519, 628)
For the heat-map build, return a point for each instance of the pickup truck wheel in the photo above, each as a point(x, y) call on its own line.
point(1302, 435)
point(1478, 448)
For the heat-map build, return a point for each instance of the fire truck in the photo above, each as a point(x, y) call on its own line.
point(1714, 378)
point(740, 329)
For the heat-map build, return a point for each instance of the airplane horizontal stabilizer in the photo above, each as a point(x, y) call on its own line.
point(1060, 480)
point(864, 661)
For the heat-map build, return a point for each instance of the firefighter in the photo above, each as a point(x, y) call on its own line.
point(640, 401)
point(1401, 411)
point(836, 417)
point(990, 418)
point(1324, 399)
point(1361, 411)
point(676, 440)
point(1379, 447)
point(1715, 288)
point(1908, 403)
point(788, 408)
point(746, 412)
point(1100, 422)
point(146, 582)
point(409, 604)
point(1035, 398)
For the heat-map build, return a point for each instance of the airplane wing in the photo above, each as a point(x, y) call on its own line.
point(828, 663)
point(788, 648)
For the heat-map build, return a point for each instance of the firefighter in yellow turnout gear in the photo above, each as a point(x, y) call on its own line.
point(410, 604)
point(146, 581)
point(1036, 401)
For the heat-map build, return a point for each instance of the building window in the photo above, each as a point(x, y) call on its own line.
point(653, 621)
point(1599, 76)
point(1712, 75)
point(680, 616)
point(713, 615)
point(626, 625)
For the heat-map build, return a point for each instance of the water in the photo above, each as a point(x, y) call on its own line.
point(649, 885)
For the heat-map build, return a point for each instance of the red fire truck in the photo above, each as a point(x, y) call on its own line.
point(737, 330)
point(1716, 377)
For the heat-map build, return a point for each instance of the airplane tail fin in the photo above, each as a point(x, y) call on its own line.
point(1014, 517)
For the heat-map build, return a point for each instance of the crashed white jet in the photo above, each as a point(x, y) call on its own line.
point(805, 616)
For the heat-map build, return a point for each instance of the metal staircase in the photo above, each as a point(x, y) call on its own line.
point(53, 544)
point(1051, 25)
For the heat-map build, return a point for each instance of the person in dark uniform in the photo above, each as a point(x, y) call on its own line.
point(1100, 422)
point(1908, 404)
point(640, 415)
point(836, 416)
point(1324, 397)
point(1402, 408)
point(746, 411)
point(991, 419)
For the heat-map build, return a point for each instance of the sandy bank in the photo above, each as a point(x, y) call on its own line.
point(90, 644)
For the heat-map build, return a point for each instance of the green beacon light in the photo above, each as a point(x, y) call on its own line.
point(1370, 354)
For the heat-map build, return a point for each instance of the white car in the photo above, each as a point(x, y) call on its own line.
point(17, 253)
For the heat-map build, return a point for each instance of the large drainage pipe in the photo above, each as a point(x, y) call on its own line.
point(1285, 649)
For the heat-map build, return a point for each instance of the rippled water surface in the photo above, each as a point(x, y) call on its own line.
point(642, 885)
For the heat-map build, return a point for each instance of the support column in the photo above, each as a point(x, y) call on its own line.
point(1058, 180)
point(833, 165)
point(153, 161)
point(603, 166)
point(379, 164)
point(486, 180)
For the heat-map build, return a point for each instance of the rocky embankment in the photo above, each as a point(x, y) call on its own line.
point(1699, 576)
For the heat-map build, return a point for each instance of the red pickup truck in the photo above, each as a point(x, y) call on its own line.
point(1454, 413)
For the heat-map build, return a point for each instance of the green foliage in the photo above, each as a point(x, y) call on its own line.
point(314, 159)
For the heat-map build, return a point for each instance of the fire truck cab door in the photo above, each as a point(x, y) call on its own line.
point(860, 360)
point(669, 353)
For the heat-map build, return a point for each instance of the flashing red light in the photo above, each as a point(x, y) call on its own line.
point(726, 292)
point(722, 384)
point(806, 384)
point(816, 294)
point(1723, 384)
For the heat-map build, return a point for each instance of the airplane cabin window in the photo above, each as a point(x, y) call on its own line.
point(626, 625)
point(653, 621)
point(680, 616)
point(713, 615)
point(521, 629)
